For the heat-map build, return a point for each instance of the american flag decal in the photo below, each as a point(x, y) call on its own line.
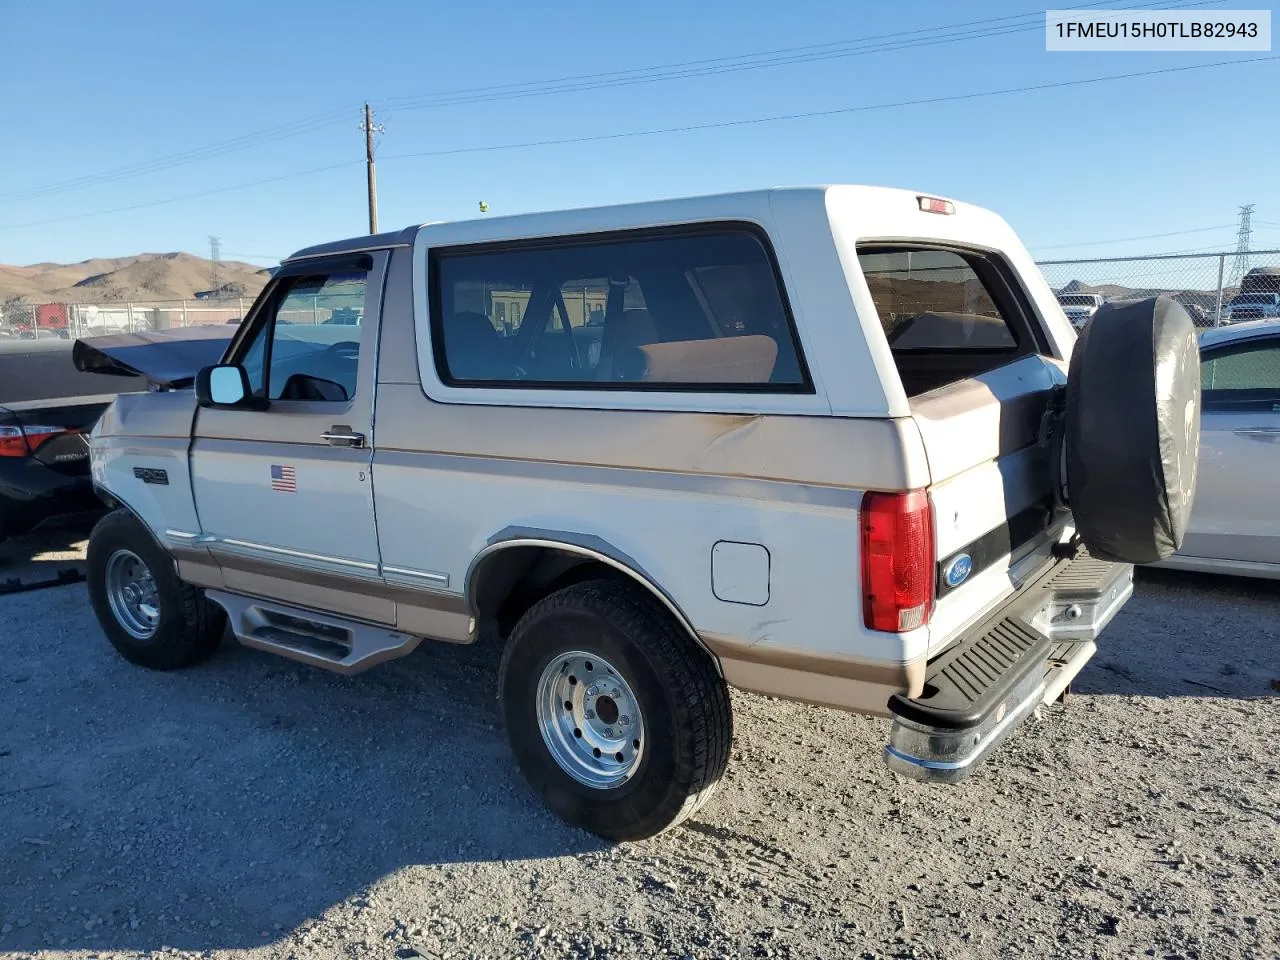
point(283, 479)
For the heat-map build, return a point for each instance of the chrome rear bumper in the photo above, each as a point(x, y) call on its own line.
point(981, 689)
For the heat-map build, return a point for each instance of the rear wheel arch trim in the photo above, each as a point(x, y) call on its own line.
point(597, 550)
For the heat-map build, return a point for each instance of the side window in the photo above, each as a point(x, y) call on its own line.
point(309, 348)
point(1243, 376)
point(690, 309)
point(935, 300)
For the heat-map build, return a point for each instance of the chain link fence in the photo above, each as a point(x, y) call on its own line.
point(34, 321)
point(1215, 288)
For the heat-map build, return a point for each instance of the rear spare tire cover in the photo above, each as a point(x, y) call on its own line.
point(1133, 429)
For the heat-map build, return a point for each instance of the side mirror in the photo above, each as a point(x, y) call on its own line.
point(226, 386)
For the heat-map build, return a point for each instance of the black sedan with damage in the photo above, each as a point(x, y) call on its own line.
point(52, 392)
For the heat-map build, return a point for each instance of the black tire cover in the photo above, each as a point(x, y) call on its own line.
point(1133, 429)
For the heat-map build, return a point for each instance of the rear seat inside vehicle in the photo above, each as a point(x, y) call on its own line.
point(637, 352)
point(633, 349)
point(474, 348)
point(743, 359)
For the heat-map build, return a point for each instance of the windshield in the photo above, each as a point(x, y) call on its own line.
point(1256, 298)
point(1076, 300)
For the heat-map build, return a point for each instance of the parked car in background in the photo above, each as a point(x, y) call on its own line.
point(48, 407)
point(1253, 306)
point(1080, 307)
point(1235, 522)
point(1261, 280)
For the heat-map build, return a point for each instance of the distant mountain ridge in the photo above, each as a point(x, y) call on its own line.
point(146, 276)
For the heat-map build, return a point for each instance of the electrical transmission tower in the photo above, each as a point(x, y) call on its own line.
point(215, 255)
point(1240, 266)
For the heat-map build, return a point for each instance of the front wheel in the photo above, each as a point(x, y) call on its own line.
point(616, 717)
point(150, 616)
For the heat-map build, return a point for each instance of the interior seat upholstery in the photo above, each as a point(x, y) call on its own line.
point(745, 359)
point(473, 348)
point(633, 329)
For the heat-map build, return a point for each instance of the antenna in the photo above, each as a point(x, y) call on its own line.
point(215, 255)
point(1240, 265)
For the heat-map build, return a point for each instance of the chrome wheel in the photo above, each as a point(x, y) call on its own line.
point(590, 719)
point(131, 592)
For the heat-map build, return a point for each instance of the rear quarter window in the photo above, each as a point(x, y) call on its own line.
point(947, 314)
point(698, 309)
point(934, 300)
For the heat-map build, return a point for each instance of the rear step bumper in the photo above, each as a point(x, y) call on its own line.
point(979, 691)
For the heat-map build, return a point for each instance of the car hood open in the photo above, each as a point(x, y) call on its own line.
point(167, 358)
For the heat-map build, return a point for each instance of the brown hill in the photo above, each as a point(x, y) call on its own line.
point(147, 276)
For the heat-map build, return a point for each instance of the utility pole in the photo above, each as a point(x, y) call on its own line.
point(370, 128)
point(215, 255)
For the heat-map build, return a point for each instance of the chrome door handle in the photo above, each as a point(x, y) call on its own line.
point(343, 437)
point(1259, 433)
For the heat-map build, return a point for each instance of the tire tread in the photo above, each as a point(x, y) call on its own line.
point(197, 628)
point(700, 698)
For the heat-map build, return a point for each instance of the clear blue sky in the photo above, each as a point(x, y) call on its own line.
point(94, 87)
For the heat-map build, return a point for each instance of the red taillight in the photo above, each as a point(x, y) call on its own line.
point(897, 560)
point(22, 441)
point(12, 442)
point(936, 205)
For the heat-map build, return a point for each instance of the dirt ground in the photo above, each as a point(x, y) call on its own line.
point(253, 806)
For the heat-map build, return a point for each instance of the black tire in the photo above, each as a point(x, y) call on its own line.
point(189, 627)
point(1133, 429)
point(688, 723)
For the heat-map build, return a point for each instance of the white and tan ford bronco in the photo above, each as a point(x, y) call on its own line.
point(834, 444)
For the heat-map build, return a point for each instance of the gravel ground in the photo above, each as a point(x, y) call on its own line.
point(255, 806)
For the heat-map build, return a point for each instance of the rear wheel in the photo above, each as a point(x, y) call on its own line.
point(150, 616)
point(616, 717)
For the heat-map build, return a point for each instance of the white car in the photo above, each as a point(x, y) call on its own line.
point(794, 441)
point(1235, 525)
point(1080, 307)
point(1253, 306)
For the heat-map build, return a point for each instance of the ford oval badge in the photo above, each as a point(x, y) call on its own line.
point(957, 570)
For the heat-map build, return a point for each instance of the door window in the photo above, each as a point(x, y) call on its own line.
point(1241, 377)
point(309, 348)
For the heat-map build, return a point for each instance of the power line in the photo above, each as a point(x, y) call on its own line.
point(863, 108)
point(210, 151)
point(720, 65)
point(674, 71)
point(1148, 236)
point(185, 196)
point(716, 125)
